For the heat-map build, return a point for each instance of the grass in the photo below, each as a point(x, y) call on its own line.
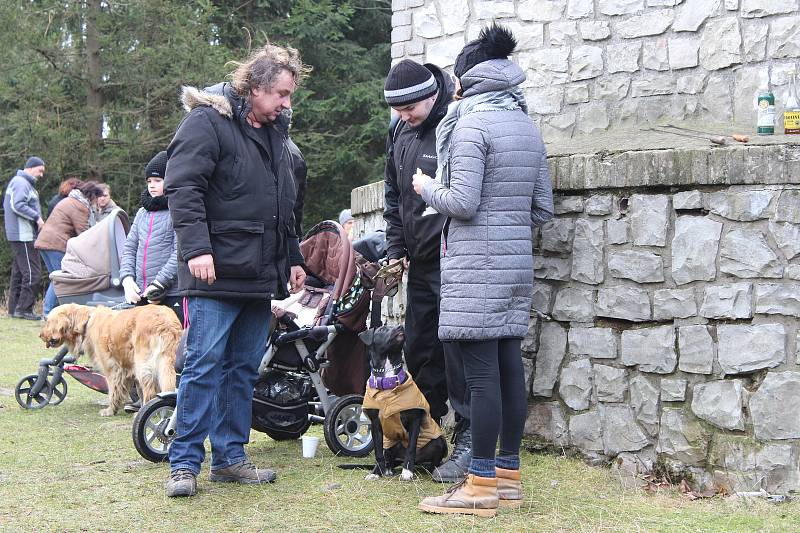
point(64, 468)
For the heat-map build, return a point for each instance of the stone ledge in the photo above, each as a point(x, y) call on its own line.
point(632, 160)
point(681, 164)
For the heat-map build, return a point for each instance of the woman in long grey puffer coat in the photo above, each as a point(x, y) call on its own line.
point(493, 186)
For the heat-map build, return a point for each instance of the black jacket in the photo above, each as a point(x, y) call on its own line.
point(408, 233)
point(300, 169)
point(231, 194)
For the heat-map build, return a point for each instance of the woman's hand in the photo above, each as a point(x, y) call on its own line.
point(419, 180)
point(131, 290)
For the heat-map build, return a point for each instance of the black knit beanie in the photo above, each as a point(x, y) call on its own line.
point(157, 167)
point(494, 42)
point(408, 82)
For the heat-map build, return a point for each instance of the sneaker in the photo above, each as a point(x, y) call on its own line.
point(30, 315)
point(244, 472)
point(133, 407)
point(455, 468)
point(181, 482)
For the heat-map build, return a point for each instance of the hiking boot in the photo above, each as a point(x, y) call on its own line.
point(244, 472)
point(181, 482)
point(509, 488)
point(133, 406)
point(474, 495)
point(29, 315)
point(455, 468)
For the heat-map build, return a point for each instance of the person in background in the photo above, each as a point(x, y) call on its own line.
point(22, 216)
point(346, 221)
point(149, 267)
point(104, 203)
point(70, 217)
point(300, 170)
point(493, 186)
point(63, 191)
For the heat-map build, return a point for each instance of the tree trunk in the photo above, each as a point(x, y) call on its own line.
point(94, 96)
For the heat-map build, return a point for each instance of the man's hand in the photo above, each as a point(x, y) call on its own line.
point(297, 279)
point(40, 223)
point(403, 259)
point(419, 180)
point(202, 267)
point(131, 290)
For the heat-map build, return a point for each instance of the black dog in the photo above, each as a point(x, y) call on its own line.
point(402, 428)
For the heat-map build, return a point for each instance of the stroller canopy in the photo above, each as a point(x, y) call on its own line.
point(329, 256)
point(92, 259)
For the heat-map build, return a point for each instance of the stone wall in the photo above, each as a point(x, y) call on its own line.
point(666, 311)
point(599, 64)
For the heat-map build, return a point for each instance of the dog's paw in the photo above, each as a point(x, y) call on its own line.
point(406, 475)
point(107, 412)
point(372, 477)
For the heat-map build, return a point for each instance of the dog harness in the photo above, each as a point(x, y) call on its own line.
point(392, 401)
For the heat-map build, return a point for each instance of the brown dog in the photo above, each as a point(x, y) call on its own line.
point(137, 343)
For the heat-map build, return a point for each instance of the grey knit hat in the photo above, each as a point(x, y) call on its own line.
point(34, 161)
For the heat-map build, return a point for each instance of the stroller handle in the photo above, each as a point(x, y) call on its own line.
point(316, 333)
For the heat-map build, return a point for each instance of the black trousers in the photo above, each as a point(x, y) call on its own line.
point(496, 381)
point(26, 273)
point(437, 370)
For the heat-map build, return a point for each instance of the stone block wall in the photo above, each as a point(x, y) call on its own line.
point(599, 64)
point(666, 314)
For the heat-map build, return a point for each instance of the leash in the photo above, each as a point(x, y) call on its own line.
point(386, 283)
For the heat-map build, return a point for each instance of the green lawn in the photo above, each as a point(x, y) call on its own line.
point(64, 468)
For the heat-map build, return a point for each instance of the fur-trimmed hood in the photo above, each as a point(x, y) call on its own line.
point(226, 102)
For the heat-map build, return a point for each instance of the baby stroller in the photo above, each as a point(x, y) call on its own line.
point(89, 275)
point(314, 367)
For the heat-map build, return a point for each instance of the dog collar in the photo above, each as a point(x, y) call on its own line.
point(390, 382)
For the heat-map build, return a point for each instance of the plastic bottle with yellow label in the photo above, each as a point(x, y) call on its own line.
point(791, 111)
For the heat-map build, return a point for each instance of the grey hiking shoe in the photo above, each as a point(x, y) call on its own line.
point(181, 482)
point(455, 468)
point(244, 472)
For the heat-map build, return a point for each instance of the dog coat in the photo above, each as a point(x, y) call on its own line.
point(391, 402)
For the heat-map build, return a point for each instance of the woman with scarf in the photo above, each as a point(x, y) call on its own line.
point(69, 218)
point(149, 269)
point(493, 185)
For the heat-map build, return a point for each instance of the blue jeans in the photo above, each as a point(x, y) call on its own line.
point(52, 260)
point(227, 339)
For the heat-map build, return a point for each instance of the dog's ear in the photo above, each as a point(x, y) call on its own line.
point(367, 336)
point(78, 317)
point(399, 333)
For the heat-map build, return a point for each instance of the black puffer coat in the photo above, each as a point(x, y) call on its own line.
point(408, 233)
point(231, 194)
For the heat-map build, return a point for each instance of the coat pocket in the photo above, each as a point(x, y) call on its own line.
point(237, 246)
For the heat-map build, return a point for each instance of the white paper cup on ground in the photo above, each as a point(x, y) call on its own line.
point(310, 444)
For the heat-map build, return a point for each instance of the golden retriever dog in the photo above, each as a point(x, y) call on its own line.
point(137, 343)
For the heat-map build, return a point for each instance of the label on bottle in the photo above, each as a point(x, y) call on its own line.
point(766, 115)
point(791, 122)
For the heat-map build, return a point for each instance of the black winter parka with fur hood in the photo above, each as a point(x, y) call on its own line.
point(231, 194)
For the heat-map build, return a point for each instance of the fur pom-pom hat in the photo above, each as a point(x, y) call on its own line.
point(494, 42)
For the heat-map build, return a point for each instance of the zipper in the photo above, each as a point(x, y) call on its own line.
point(144, 252)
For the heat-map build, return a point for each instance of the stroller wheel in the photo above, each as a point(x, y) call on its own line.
point(59, 392)
point(148, 428)
point(347, 430)
point(28, 400)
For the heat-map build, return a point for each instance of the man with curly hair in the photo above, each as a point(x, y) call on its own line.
point(231, 192)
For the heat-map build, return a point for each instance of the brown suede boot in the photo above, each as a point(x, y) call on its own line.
point(475, 495)
point(509, 488)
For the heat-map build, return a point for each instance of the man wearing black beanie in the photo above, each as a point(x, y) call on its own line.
point(419, 96)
